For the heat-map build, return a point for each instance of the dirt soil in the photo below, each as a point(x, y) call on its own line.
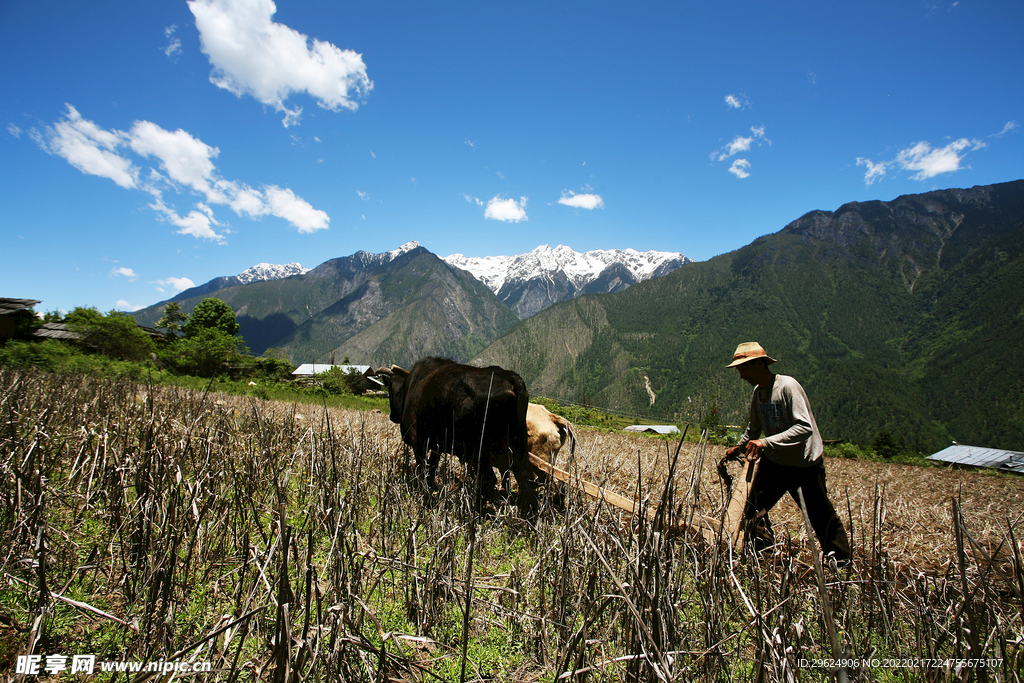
point(914, 505)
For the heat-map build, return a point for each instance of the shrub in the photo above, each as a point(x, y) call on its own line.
point(115, 335)
point(204, 354)
point(50, 355)
point(849, 451)
point(334, 381)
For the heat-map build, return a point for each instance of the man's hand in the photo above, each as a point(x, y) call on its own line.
point(754, 448)
point(751, 450)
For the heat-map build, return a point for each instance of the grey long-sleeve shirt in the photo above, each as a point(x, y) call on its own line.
point(786, 420)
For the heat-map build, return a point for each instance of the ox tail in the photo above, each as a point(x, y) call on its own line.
point(565, 429)
point(572, 438)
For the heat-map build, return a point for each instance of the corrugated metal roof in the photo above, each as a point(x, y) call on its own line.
point(657, 429)
point(975, 456)
point(317, 368)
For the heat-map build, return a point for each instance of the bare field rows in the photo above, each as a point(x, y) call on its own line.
point(283, 542)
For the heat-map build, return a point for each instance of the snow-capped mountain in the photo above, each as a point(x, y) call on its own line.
point(529, 283)
point(270, 271)
point(258, 273)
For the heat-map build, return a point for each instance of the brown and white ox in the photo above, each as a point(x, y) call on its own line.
point(547, 432)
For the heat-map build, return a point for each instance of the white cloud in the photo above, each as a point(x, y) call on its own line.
point(182, 160)
point(1010, 126)
point(928, 162)
point(173, 47)
point(125, 272)
point(508, 210)
point(738, 144)
point(297, 211)
point(581, 201)
point(875, 171)
point(123, 305)
point(198, 223)
point(737, 101)
point(14, 130)
point(248, 202)
point(739, 168)
point(177, 284)
point(88, 148)
point(187, 160)
point(362, 195)
point(741, 144)
point(253, 55)
point(472, 200)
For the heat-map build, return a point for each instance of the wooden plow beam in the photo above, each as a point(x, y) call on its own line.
point(731, 521)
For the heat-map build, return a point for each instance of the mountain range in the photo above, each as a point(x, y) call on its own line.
point(905, 316)
point(400, 305)
point(529, 283)
point(902, 317)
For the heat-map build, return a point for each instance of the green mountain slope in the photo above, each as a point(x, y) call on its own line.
point(425, 307)
point(902, 315)
point(437, 308)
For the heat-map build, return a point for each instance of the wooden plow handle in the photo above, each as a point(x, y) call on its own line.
point(704, 526)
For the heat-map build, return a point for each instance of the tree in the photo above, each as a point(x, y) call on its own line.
point(173, 320)
point(211, 313)
point(334, 381)
point(205, 353)
point(210, 340)
point(116, 334)
point(886, 445)
point(357, 382)
point(81, 316)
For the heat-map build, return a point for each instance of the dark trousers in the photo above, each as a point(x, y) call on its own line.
point(772, 481)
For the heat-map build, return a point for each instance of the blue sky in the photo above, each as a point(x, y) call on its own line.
point(148, 146)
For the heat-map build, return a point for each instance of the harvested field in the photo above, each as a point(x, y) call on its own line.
point(281, 542)
point(916, 502)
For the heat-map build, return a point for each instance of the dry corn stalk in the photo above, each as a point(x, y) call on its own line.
point(737, 482)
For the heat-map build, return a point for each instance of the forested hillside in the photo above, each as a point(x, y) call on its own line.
point(375, 308)
point(905, 316)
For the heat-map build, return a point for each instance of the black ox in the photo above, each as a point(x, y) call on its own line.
point(476, 414)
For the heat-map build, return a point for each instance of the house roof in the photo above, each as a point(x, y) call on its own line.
point(975, 456)
point(56, 331)
point(14, 305)
point(317, 368)
point(653, 429)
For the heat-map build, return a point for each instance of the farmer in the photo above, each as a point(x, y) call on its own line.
point(793, 455)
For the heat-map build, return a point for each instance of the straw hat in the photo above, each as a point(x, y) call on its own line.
point(748, 351)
